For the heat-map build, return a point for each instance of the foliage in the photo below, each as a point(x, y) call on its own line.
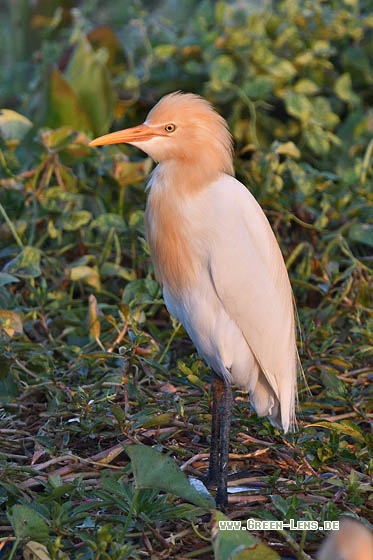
point(89, 356)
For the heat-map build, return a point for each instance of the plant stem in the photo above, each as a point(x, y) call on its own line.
point(13, 551)
point(11, 227)
point(169, 342)
point(301, 555)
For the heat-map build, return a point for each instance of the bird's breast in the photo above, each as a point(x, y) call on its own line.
point(174, 236)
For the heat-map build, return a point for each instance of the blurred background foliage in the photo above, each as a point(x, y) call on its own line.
point(86, 344)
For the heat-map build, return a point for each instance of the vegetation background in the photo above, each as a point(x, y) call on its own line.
point(89, 358)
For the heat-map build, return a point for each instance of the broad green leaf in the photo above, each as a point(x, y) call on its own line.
point(306, 87)
point(77, 220)
point(238, 544)
point(164, 52)
point(281, 504)
point(26, 264)
point(27, 523)
point(334, 385)
point(363, 233)
point(118, 413)
point(90, 80)
point(258, 87)
point(13, 126)
point(323, 114)
point(113, 269)
point(298, 105)
point(288, 149)
point(282, 69)
point(58, 139)
point(317, 139)
point(55, 199)
point(152, 469)
point(108, 221)
point(136, 293)
point(343, 88)
point(136, 219)
point(322, 47)
point(7, 279)
point(223, 69)
point(63, 105)
point(87, 274)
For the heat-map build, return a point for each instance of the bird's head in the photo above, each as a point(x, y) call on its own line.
point(183, 128)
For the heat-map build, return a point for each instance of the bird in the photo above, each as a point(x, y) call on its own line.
point(220, 266)
point(352, 541)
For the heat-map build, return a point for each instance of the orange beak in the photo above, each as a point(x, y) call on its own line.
point(138, 133)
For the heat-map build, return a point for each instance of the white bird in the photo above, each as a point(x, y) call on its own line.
point(219, 263)
point(353, 541)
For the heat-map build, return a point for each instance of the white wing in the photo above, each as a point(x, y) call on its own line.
point(251, 281)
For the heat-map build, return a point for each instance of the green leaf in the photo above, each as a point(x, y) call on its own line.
point(237, 544)
point(288, 149)
point(108, 221)
point(152, 469)
point(281, 504)
point(363, 233)
point(345, 427)
point(8, 387)
point(13, 126)
point(27, 523)
point(306, 87)
point(158, 420)
point(323, 114)
point(258, 86)
point(87, 274)
point(282, 69)
point(164, 52)
point(223, 69)
point(333, 384)
point(343, 88)
point(90, 80)
point(26, 264)
point(76, 220)
point(118, 413)
point(298, 105)
point(64, 107)
point(58, 139)
point(7, 279)
point(317, 139)
point(113, 269)
point(137, 293)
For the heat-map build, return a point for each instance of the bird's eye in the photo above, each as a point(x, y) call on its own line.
point(169, 127)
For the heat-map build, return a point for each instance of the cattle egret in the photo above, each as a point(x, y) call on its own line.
point(353, 541)
point(220, 266)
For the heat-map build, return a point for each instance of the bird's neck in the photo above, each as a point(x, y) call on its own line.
point(172, 223)
point(184, 176)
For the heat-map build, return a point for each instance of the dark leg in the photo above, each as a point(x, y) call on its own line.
point(220, 435)
point(225, 413)
point(217, 385)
